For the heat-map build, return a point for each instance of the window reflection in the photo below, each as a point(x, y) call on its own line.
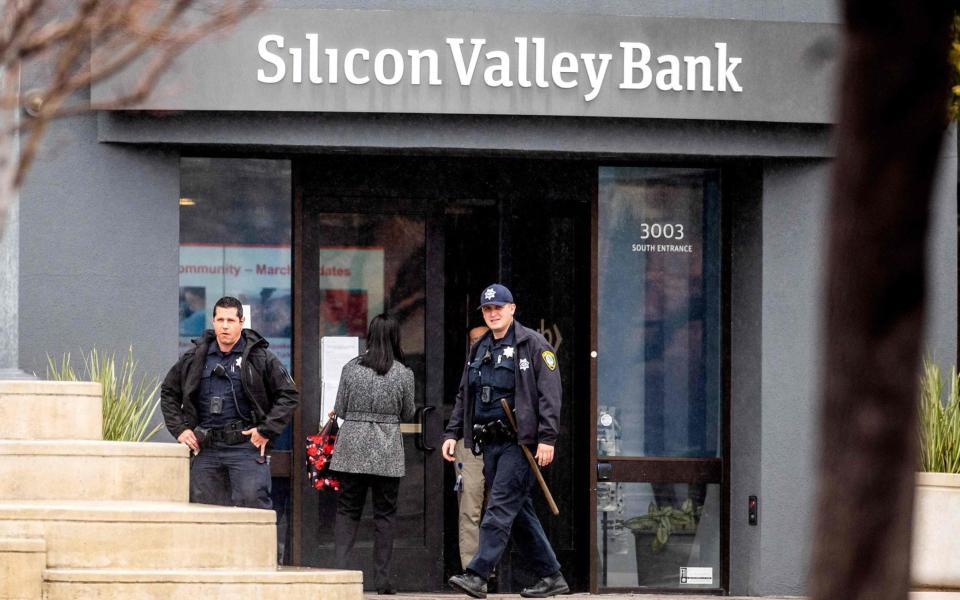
point(658, 535)
point(368, 264)
point(658, 312)
point(235, 231)
point(235, 240)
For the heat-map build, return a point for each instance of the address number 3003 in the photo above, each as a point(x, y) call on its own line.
point(658, 231)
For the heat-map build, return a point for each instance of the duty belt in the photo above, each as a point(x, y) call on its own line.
point(494, 432)
point(230, 435)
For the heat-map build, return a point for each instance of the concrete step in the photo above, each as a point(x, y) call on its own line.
point(93, 470)
point(209, 584)
point(22, 561)
point(50, 410)
point(87, 534)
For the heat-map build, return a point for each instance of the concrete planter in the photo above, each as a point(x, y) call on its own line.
point(936, 532)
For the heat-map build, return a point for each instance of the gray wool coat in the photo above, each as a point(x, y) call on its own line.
point(372, 407)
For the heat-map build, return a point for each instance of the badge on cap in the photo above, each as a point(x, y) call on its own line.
point(549, 359)
point(489, 294)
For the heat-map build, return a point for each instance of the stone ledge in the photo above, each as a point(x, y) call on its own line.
point(54, 416)
point(17, 387)
point(86, 470)
point(92, 448)
point(282, 575)
point(24, 544)
point(209, 584)
point(126, 511)
point(22, 560)
point(945, 480)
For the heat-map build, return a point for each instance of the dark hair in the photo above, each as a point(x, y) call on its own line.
point(229, 302)
point(383, 344)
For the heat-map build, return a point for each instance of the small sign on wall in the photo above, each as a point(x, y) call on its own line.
point(696, 575)
point(335, 352)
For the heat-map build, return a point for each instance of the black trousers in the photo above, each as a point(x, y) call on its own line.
point(230, 476)
point(510, 512)
point(353, 495)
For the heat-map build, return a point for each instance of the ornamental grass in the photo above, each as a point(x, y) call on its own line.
point(939, 421)
point(129, 402)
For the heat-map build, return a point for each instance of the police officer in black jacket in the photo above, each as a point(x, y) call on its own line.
point(225, 399)
point(517, 364)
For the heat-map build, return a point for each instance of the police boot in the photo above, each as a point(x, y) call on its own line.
point(469, 583)
point(550, 585)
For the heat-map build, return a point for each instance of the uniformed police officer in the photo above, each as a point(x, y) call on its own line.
point(225, 399)
point(517, 364)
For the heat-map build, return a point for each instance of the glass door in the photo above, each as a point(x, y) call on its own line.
point(657, 381)
point(361, 257)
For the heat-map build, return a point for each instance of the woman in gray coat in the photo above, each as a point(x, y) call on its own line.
point(375, 394)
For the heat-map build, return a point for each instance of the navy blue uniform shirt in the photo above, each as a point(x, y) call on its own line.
point(493, 366)
point(212, 385)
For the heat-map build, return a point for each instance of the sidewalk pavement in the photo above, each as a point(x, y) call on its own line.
point(452, 596)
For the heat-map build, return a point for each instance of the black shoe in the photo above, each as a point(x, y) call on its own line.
point(386, 590)
point(493, 583)
point(470, 583)
point(546, 587)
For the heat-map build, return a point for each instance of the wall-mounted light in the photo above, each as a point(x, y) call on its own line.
point(187, 202)
point(33, 102)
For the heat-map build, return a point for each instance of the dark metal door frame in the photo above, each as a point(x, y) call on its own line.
point(306, 344)
point(663, 470)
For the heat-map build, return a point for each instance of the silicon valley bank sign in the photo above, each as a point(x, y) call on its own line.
point(507, 64)
point(500, 67)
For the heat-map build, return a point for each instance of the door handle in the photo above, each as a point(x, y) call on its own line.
point(420, 441)
point(604, 471)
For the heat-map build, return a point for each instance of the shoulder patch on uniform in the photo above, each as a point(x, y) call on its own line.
point(549, 359)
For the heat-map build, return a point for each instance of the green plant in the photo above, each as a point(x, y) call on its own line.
point(953, 105)
point(664, 521)
point(939, 421)
point(128, 402)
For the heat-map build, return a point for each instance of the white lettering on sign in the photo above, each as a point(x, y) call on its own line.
point(638, 74)
point(679, 248)
point(474, 62)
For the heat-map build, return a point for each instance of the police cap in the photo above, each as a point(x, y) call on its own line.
point(495, 294)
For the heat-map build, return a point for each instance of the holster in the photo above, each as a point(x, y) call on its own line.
point(495, 432)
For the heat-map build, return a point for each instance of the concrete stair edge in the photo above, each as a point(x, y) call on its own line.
point(46, 387)
point(22, 561)
point(23, 544)
point(130, 511)
point(88, 447)
point(93, 470)
point(210, 584)
point(32, 409)
point(123, 534)
point(212, 575)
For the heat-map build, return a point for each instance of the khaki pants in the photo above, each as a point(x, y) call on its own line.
point(470, 500)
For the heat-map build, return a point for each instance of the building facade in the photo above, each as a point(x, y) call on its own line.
point(649, 178)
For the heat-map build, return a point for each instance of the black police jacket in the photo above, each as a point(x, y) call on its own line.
point(536, 397)
point(265, 381)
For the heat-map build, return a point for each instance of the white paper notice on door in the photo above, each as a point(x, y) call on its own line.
point(335, 351)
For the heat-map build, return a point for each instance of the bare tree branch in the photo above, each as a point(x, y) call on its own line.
point(82, 43)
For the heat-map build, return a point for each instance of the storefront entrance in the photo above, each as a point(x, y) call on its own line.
point(620, 268)
point(421, 238)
